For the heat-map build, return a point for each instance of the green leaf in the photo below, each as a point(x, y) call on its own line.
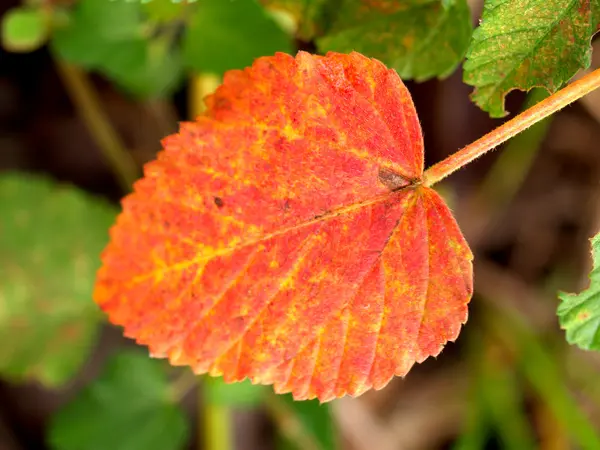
point(522, 44)
point(421, 39)
point(129, 407)
point(115, 39)
point(240, 395)
point(146, 68)
point(164, 10)
point(579, 314)
point(309, 15)
point(24, 29)
point(224, 35)
point(50, 241)
point(312, 420)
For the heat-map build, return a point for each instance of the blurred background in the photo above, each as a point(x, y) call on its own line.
point(87, 90)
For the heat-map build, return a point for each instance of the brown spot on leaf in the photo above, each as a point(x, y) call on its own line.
point(219, 202)
point(392, 180)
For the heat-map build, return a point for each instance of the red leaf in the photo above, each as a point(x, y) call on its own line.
point(285, 236)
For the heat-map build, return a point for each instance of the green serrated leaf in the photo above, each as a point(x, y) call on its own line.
point(50, 240)
point(521, 44)
point(309, 15)
point(421, 39)
point(579, 314)
point(224, 35)
point(24, 29)
point(114, 39)
point(313, 422)
point(128, 407)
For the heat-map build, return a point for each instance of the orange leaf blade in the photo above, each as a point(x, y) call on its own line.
point(284, 236)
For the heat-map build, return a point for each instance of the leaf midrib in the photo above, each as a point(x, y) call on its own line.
point(322, 218)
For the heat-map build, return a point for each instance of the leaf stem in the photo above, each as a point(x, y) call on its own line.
point(89, 107)
point(540, 111)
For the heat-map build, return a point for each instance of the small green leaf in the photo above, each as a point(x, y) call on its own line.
point(114, 38)
point(579, 314)
point(421, 39)
point(224, 35)
point(522, 44)
point(314, 422)
point(128, 407)
point(24, 29)
point(50, 242)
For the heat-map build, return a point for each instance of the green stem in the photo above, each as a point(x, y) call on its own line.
point(216, 427)
point(540, 111)
point(200, 86)
point(88, 105)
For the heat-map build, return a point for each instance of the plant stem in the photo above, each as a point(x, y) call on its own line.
point(89, 107)
point(543, 109)
point(200, 86)
point(216, 427)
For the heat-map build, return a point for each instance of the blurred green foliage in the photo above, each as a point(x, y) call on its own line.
point(129, 407)
point(421, 40)
point(219, 37)
point(148, 47)
point(51, 237)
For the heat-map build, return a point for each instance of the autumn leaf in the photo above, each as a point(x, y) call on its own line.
point(285, 235)
point(420, 39)
point(579, 314)
point(522, 44)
